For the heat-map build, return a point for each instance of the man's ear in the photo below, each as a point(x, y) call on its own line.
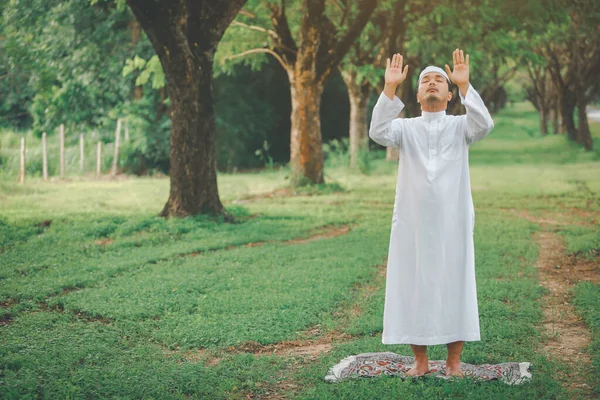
point(449, 96)
point(418, 98)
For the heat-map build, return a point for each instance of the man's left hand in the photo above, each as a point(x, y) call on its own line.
point(460, 75)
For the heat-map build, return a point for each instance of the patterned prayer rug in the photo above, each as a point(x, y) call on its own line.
point(369, 365)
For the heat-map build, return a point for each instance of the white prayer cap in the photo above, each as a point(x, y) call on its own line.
point(432, 68)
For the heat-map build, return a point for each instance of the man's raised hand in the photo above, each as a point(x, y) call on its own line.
point(460, 75)
point(394, 74)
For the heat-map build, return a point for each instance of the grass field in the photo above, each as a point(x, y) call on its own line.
point(101, 298)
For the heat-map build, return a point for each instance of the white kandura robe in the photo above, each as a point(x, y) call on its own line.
point(430, 295)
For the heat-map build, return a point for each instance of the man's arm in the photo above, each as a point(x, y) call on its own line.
point(479, 121)
point(386, 129)
point(390, 90)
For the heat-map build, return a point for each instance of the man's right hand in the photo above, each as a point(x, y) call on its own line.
point(394, 75)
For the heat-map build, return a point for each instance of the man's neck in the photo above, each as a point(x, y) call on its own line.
point(433, 106)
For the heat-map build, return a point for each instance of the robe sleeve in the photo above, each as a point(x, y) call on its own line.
point(386, 128)
point(478, 119)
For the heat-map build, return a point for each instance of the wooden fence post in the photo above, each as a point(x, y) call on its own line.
point(44, 156)
point(81, 147)
point(22, 169)
point(62, 150)
point(116, 154)
point(98, 158)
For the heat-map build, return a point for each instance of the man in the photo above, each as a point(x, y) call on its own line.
point(430, 285)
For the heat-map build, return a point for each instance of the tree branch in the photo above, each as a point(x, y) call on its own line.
point(535, 79)
point(554, 68)
point(366, 8)
point(344, 9)
point(337, 4)
point(260, 50)
point(506, 76)
point(247, 13)
point(327, 38)
point(375, 41)
point(398, 28)
point(271, 33)
point(284, 42)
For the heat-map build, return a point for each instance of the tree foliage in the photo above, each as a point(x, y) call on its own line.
point(71, 53)
point(62, 63)
point(79, 62)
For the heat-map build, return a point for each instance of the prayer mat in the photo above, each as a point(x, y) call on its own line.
point(369, 365)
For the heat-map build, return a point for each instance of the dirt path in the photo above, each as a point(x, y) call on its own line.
point(568, 337)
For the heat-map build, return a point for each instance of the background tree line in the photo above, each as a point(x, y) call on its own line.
point(269, 82)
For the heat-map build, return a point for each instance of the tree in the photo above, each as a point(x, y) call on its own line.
point(64, 62)
point(426, 33)
point(361, 68)
point(309, 49)
point(185, 36)
point(542, 93)
point(572, 50)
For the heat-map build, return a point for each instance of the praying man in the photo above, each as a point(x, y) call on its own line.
point(430, 295)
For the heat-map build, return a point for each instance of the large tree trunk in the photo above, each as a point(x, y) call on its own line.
point(185, 36)
point(556, 118)
point(358, 93)
point(306, 158)
point(567, 109)
point(584, 135)
point(309, 62)
point(193, 169)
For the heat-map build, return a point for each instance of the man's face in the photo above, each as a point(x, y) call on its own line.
point(433, 87)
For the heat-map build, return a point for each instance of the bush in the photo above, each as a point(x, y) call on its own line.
point(337, 155)
point(148, 150)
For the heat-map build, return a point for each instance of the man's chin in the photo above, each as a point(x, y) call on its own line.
point(433, 98)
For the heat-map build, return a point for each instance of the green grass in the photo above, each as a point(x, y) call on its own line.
point(108, 300)
point(54, 355)
point(586, 300)
point(583, 241)
point(516, 140)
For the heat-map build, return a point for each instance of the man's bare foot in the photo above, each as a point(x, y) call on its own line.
point(453, 359)
point(421, 366)
point(418, 370)
point(454, 370)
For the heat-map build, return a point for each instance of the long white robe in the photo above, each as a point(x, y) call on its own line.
point(431, 295)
